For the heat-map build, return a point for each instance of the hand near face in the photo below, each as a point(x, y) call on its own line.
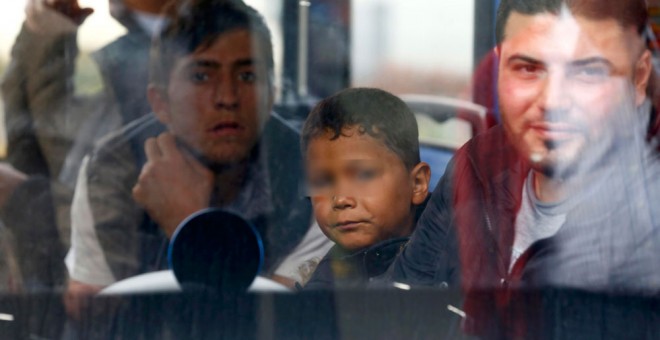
point(172, 184)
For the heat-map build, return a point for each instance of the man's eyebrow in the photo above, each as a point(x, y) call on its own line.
point(524, 58)
point(575, 63)
point(593, 60)
point(214, 64)
point(204, 63)
point(244, 62)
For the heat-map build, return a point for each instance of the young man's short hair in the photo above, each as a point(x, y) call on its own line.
point(375, 112)
point(626, 12)
point(196, 24)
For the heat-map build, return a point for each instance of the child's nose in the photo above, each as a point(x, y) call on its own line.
point(343, 202)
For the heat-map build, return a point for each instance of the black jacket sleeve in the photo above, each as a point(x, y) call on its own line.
point(431, 256)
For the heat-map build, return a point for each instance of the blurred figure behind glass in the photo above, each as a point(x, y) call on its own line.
point(50, 128)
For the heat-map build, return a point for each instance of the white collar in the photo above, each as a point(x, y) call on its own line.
point(151, 23)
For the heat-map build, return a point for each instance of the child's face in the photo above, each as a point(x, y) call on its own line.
point(361, 191)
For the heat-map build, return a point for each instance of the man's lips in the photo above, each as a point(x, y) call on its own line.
point(554, 131)
point(228, 128)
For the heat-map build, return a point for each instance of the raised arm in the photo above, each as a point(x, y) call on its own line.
point(41, 113)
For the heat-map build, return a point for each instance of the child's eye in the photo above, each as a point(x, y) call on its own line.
point(320, 183)
point(365, 175)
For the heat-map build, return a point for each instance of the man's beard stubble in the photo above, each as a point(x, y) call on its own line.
point(599, 149)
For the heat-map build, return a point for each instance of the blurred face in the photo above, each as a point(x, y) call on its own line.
point(361, 191)
point(218, 98)
point(567, 84)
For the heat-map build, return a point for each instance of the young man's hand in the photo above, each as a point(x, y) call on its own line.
point(77, 297)
point(55, 17)
point(172, 184)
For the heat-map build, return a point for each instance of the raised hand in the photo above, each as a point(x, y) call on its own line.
point(71, 9)
point(172, 184)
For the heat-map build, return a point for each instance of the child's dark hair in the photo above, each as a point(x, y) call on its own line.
point(375, 112)
point(197, 24)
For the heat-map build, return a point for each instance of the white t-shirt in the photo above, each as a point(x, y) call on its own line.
point(151, 23)
point(301, 263)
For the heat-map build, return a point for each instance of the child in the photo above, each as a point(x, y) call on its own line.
point(366, 182)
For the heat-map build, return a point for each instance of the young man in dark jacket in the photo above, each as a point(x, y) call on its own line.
point(564, 193)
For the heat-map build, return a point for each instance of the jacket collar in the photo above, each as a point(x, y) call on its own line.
point(500, 173)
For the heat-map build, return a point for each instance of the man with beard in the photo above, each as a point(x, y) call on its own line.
point(564, 193)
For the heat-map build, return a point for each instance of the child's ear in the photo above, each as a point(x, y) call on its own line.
point(420, 176)
point(159, 103)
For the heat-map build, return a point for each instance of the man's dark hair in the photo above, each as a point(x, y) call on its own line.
point(196, 24)
point(626, 12)
point(375, 112)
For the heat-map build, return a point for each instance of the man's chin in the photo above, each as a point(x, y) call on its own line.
point(226, 159)
point(555, 165)
point(227, 153)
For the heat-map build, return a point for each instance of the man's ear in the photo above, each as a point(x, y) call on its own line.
point(159, 103)
point(643, 70)
point(420, 176)
point(497, 50)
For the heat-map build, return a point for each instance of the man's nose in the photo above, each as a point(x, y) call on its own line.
point(226, 93)
point(555, 96)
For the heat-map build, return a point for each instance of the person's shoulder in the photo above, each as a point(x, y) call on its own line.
point(281, 140)
point(280, 127)
point(127, 43)
point(142, 128)
point(486, 152)
point(128, 137)
point(132, 47)
point(323, 277)
point(389, 248)
point(492, 140)
point(116, 160)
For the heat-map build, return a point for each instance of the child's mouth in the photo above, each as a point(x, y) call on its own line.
point(348, 225)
